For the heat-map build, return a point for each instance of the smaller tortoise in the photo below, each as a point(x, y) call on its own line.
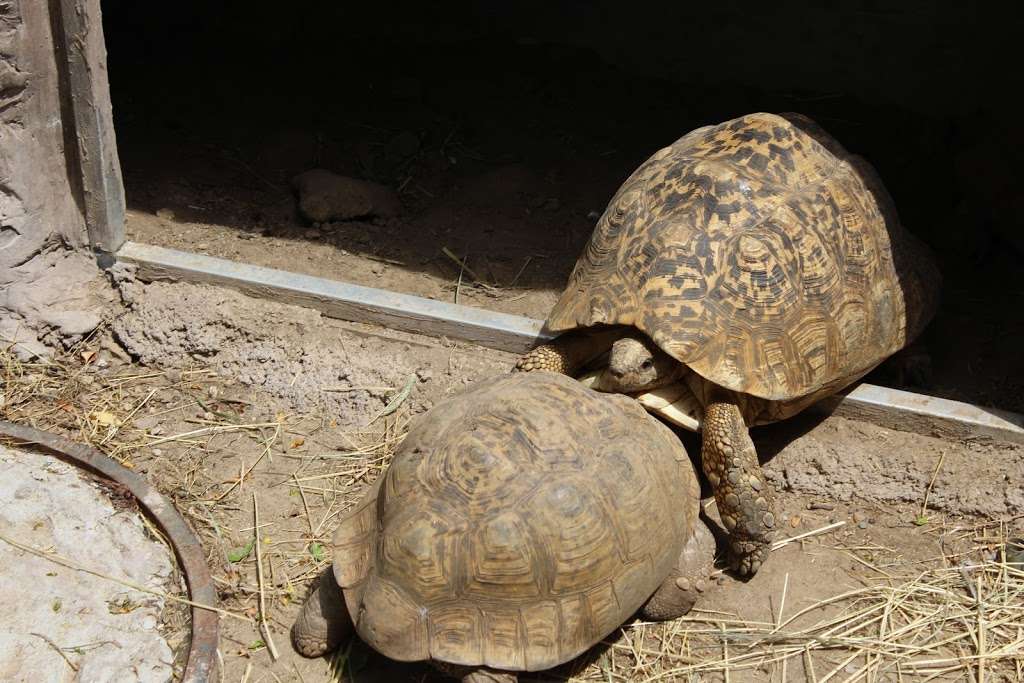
point(520, 522)
point(744, 272)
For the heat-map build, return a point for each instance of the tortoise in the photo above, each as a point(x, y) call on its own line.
point(520, 522)
point(745, 272)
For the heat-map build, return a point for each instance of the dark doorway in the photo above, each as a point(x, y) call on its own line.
point(505, 127)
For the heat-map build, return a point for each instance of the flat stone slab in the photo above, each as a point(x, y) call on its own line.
point(107, 631)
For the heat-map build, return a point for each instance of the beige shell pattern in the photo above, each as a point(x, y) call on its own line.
point(762, 255)
point(519, 523)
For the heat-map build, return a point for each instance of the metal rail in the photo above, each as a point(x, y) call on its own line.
point(890, 408)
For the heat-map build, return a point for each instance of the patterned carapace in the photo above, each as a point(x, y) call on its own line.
point(507, 534)
point(763, 256)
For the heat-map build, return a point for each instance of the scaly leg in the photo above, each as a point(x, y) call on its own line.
point(475, 674)
point(324, 621)
point(689, 578)
point(745, 500)
point(568, 353)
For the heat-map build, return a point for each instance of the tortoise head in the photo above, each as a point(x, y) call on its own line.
point(635, 363)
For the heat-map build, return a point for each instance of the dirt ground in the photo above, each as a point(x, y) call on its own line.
point(111, 630)
point(225, 402)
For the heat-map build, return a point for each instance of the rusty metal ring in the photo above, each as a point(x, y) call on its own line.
point(205, 623)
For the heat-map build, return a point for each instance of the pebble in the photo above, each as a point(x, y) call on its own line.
point(863, 525)
point(157, 452)
point(794, 521)
point(145, 422)
point(858, 517)
point(212, 391)
point(208, 416)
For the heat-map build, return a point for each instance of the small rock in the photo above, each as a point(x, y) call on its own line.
point(157, 452)
point(794, 521)
point(166, 214)
point(208, 416)
point(145, 422)
point(863, 525)
point(156, 431)
point(326, 196)
point(202, 245)
point(173, 376)
point(213, 391)
point(858, 517)
point(424, 375)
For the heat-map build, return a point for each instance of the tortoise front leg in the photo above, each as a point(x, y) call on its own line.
point(745, 500)
point(324, 621)
point(568, 353)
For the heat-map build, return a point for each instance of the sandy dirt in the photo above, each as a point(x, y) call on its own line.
point(219, 408)
point(103, 629)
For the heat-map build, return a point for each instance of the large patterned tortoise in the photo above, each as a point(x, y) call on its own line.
point(520, 522)
point(749, 269)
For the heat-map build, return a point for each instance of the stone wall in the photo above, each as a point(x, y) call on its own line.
point(50, 287)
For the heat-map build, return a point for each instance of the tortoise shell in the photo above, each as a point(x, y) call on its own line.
point(520, 522)
point(762, 255)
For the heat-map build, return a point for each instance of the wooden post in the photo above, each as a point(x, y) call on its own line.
point(81, 36)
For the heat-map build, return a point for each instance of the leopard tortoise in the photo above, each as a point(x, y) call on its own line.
point(519, 523)
point(739, 275)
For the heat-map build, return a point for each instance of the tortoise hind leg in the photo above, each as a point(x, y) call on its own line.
point(689, 578)
point(324, 621)
point(490, 676)
point(745, 501)
point(475, 674)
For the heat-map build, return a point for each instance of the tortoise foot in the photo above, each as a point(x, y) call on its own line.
point(323, 622)
point(689, 580)
point(747, 556)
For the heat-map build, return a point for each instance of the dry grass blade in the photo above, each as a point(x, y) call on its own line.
point(65, 562)
point(264, 627)
point(923, 627)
